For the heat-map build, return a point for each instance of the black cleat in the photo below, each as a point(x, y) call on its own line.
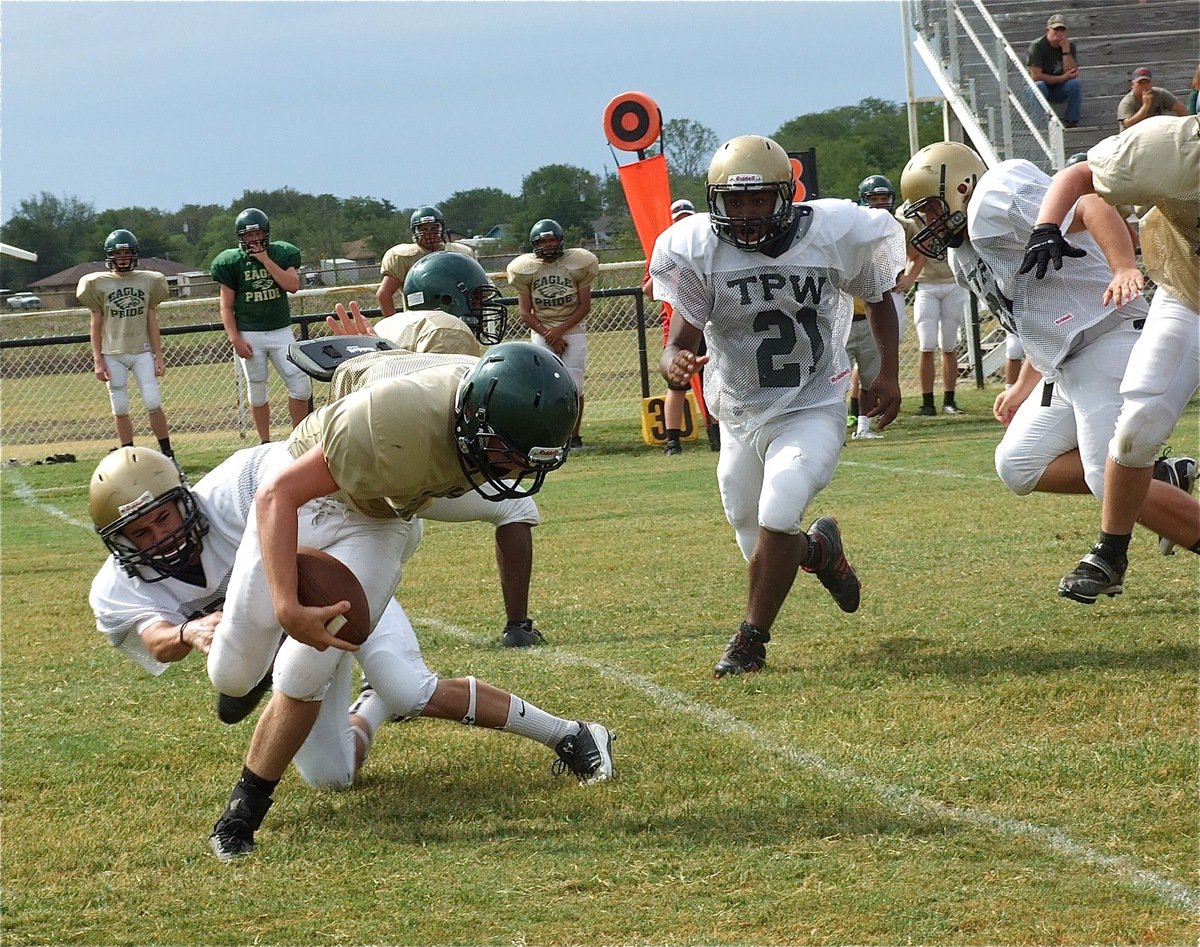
point(927, 411)
point(746, 652)
point(1092, 577)
point(237, 709)
point(521, 634)
point(586, 754)
point(1178, 472)
point(233, 835)
point(714, 438)
point(673, 448)
point(832, 567)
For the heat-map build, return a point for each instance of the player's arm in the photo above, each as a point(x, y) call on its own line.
point(526, 313)
point(583, 306)
point(288, 280)
point(882, 399)
point(679, 360)
point(912, 270)
point(1007, 402)
point(1104, 223)
point(95, 330)
point(277, 504)
point(386, 294)
point(160, 364)
point(229, 321)
point(349, 323)
point(169, 641)
point(1046, 244)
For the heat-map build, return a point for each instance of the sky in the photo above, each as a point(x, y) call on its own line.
point(174, 102)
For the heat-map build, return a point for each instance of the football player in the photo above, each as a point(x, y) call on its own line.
point(1156, 162)
point(371, 460)
point(554, 296)
point(769, 285)
point(124, 302)
point(1077, 337)
point(255, 280)
point(428, 228)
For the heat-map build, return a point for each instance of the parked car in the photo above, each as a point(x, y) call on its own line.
point(24, 301)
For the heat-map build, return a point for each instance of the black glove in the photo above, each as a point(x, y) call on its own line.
point(1046, 244)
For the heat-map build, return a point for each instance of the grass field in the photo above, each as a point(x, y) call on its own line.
point(967, 760)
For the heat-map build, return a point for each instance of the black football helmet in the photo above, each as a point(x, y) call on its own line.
point(253, 230)
point(877, 191)
point(428, 228)
point(124, 243)
point(457, 284)
point(546, 240)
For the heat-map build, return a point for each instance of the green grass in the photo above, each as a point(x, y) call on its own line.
point(968, 759)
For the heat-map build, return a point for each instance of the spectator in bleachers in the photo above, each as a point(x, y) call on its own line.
point(1144, 100)
point(1054, 68)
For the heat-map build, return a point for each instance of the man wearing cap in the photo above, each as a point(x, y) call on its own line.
point(1055, 70)
point(1145, 100)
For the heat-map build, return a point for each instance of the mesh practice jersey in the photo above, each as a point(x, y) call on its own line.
point(776, 327)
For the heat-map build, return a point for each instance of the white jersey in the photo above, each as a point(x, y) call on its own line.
point(1047, 315)
point(776, 327)
point(125, 606)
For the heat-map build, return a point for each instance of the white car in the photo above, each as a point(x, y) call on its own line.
point(24, 301)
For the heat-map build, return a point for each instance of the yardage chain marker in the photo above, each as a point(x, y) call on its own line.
point(906, 801)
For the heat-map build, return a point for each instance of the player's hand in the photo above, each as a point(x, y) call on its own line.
point(1046, 245)
point(881, 400)
point(349, 323)
point(1125, 287)
point(100, 368)
point(199, 631)
point(1005, 407)
point(243, 348)
point(160, 366)
point(307, 625)
point(684, 365)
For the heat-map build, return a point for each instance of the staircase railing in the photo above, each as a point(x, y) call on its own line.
point(985, 84)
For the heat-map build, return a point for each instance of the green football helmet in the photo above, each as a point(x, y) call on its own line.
point(253, 229)
point(750, 163)
point(513, 417)
point(428, 228)
point(1076, 158)
point(878, 187)
point(128, 484)
point(455, 283)
point(124, 243)
point(546, 240)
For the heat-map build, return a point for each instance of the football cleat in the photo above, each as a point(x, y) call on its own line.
point(851, 421)
point(673, 449)
point(587, 754)
point(1092, 577)
point(236, 709)
point(1178, 472)
point(521, 634)
point(927, 411)
point(233, 835)
point(746, 652)
point(952, 409)
point(866, 436)
point(714, 438)
point(831, 565)
point(576, 442)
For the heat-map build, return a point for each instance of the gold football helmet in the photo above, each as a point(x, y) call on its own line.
point(750, 163)
point(936, 185)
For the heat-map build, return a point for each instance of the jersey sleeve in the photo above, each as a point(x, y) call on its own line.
point(86, 293)
point(876, 255)
point(1152, 162)
point(678, 283)
point(159, 291)
point(223, 269)
point(122, 612)
point(586, 272)
point(287, 255)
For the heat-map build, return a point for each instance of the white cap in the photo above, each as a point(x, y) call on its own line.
point(681, 208)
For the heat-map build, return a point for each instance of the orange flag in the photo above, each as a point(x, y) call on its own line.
point(648, 194)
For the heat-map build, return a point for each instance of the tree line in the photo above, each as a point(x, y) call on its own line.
point(851, 142)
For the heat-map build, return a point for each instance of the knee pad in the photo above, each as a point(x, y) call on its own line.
point(1140, 434)
point(118, 397)
point(151, 396)
point(1020, 478)
point(299, 386)
point(1013, 348)
point(256, 392)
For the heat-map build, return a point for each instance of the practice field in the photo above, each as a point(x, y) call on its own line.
point(969, 759)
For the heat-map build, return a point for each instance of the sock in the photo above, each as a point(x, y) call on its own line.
point(373, 713)
point(673, 434)
point(164, 445)
point(854, 412)
point(255, 784)
point(927, 399)
point(130, 444)
point(1112, 546)
point(948, 397)
point(526, 720)
point(761, 635)
point(864, 424)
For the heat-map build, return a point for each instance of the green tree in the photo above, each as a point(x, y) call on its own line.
point(478, 210)
point(56, 229)
point(689, 147)
point(562, 192)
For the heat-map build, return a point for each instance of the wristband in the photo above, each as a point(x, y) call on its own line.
point(181, 627)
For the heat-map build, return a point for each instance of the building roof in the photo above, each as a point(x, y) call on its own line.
point(72, 275)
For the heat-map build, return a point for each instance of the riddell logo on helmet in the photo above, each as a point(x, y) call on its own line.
point(745, 179)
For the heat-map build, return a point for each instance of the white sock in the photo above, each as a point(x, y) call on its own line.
point(373, 712)
point(864, 424)
point(529, 721)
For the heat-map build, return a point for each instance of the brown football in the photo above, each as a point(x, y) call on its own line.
point(322, 579)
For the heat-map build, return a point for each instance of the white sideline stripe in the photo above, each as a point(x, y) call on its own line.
point(919, 471)
point(904, 800)
point(26, 494)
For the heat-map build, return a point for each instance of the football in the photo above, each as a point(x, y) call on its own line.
point(322, 579)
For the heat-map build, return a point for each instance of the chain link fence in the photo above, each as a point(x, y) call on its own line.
point(51, 402)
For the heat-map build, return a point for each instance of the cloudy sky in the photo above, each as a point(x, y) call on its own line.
point(165, 103)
